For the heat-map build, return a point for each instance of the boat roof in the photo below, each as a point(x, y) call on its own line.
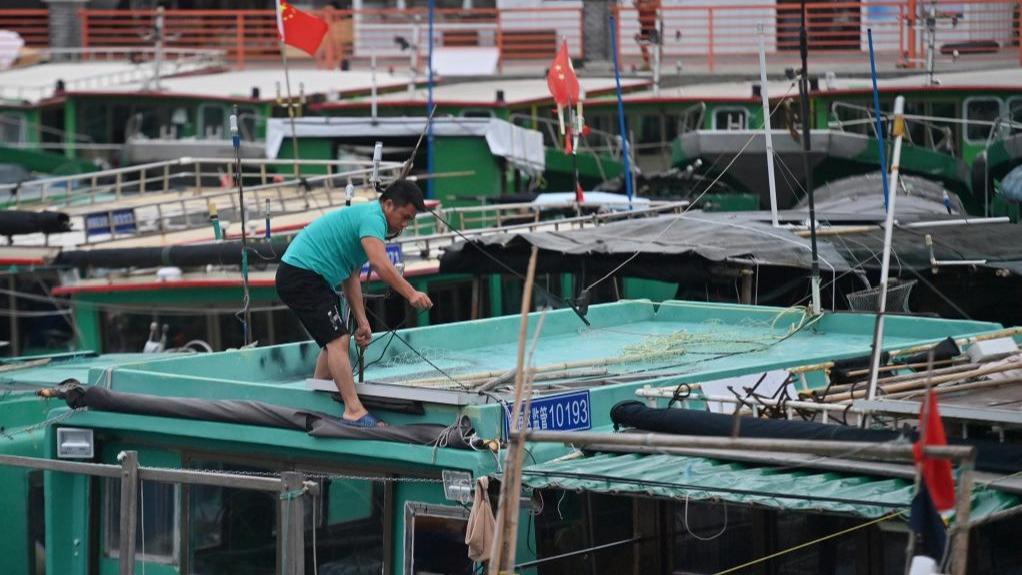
point(422, 374)
point(483, 93)
point(238, 84)
point(1002, 79)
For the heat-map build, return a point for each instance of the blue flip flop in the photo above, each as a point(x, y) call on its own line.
point(367, 421)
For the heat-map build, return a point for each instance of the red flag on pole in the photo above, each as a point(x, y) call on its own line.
point(561, 78)
point(936, 472)
point(299, 29)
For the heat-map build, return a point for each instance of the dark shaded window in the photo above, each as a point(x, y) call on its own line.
point(156, 533)
point(980, 113)
point(36, 524)
point(730, 119)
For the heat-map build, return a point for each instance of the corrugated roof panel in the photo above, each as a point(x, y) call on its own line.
point(698, 478)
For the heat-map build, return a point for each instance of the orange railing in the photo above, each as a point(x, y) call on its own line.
point(719, 33)
point(389, 34)
point(710, 35)
point(32, 25)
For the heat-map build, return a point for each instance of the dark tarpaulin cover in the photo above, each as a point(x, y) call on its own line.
point(666, 245)
point(246, 412)
point(17, 222)
point(990, 456)
point(223, 253)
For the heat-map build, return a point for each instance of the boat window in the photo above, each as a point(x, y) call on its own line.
point(212, 122)
point(943, 135)
point(730, 119)
point(435, 539)
point(349, 523)
point(983, 111)
point(156, 527)
point(477, 113)
point(12, 129)
point(651, 132)
point(36, 524)
point(231, 530)
point(1015, 114)
point(248, 123)
point(569, 522)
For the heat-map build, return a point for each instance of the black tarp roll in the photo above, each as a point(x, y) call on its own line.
point(18, 222)
point(990, 456)
point(223, 253)
point(245, 412)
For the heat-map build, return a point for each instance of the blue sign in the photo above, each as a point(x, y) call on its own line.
point(107, 223)
point(570, 411)
point(393, 253)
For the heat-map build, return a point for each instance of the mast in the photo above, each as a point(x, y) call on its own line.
point(806, 146)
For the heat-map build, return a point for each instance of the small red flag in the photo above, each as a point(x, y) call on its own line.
point(299, 29)
point(561, 78)
point(936, 472)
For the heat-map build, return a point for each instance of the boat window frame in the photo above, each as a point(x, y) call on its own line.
point(728, 109)
point(307, 466)
point(200, 124)
point(1008, 102)
point(21, 125)
point(415, 509)
point(110, 551)
point(965, 116)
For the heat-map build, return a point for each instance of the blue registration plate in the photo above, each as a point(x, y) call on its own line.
point(393, 252)
point(563, 412)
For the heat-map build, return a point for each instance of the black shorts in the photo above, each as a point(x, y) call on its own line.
point(312, 299)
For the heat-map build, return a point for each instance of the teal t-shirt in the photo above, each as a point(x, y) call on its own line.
point(332, 245)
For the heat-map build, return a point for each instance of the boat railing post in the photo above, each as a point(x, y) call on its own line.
point(129, 509)
point(166, 178)
point(292, 523)
point(198, 176)
point(141, 181)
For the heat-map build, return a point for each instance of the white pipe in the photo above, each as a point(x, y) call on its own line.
point(885, 266)
point(766, 128)
point(958, 222)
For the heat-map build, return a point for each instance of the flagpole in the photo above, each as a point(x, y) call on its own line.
point(806, 166)
point(290, 105)
point(625, 152)
point(429, 103)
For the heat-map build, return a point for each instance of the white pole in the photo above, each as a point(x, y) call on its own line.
point(878, 334)
point(766, 127)
point(372, 84)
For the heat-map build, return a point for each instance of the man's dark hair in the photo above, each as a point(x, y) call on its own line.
point(402, 193)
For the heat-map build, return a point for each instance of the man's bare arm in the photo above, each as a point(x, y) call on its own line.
point(377, 253)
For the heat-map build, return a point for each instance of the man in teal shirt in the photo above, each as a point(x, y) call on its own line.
point(331, 251)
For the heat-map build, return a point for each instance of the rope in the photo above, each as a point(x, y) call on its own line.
point(810, 543)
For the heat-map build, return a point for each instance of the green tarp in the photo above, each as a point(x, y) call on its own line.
point(701, 479)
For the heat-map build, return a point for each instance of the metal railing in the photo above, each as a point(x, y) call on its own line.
point(183, 176)
point(291, 487)
point(711, 34)
point(251, 35)
point(508, 218)
point(33, 25)
point(174, 62)
point(717, 33)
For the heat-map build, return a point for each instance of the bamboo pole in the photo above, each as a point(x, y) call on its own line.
point(895, 451)
point(560, 366)
point(917, 383)
point(957, 387)
point(502, 554)
point(960, 342)
point(899, 378)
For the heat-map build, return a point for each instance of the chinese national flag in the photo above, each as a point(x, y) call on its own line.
point(936, 472)
point(299, 29)
point(561, 78)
